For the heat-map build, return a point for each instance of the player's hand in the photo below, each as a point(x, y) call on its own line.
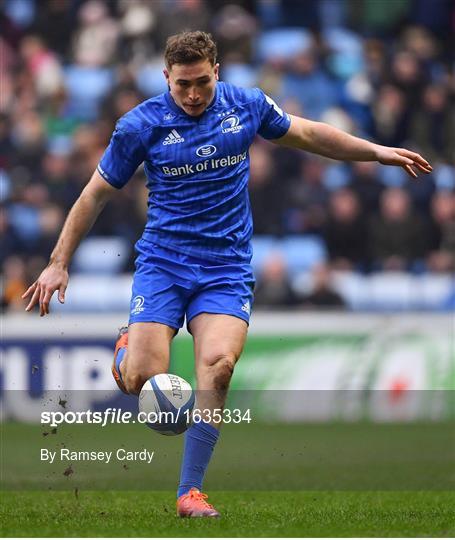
point(54, 277)
point(403, 158)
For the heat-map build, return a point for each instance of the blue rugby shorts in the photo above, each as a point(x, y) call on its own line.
point(169, 285)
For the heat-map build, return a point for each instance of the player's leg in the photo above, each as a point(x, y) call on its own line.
point(218, 343)
point(218, 317)
point(142, 351)
point(218, 320)
point(159, 297)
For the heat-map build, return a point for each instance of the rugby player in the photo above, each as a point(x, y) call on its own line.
point(193, 259)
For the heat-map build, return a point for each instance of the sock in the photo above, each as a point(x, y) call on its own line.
point(200, 440)
point(120, 354)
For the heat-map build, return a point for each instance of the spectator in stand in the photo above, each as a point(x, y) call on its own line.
point(234, 29)
point(91, 77)
point(432, 123)
point(366, 185)
point(273, 287)
point(6, 143)
point(14, 280)
point(58, 175)
point(441, 256)
point(138, 25)
point(175, 17)
point(29, 142)
point(323, 296)
point(346, 232)
point(42, 64)
point(50, 221)
point(408, 77)
point(397, 236)
point(307, 199)
point(378, 18)
point(95, 41)
point(59, 125)
point(10, 241)
point(266, 194)
point(56, 21)
point(288, 161)
point(391, 116)
point(88, 145)
point(310, 84)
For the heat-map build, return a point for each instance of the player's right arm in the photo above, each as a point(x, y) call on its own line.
point(82, 216)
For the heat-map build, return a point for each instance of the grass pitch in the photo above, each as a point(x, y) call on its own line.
point(267, 480)
point(244, 514)
point(249, 457)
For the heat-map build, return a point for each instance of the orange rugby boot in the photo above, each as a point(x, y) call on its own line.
point(194, 504)
point(122, 341)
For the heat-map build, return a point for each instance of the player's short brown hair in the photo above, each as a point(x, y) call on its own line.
point(190, 47)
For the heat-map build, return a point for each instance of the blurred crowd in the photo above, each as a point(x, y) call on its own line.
point(380, 69)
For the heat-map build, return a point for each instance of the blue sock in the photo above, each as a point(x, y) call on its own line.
point(200, 440)
point(118, 359)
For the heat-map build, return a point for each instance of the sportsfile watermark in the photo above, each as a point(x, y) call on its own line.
point(113, 415)
point(269, 440)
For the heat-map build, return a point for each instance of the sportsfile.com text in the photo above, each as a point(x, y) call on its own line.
point(117, 416)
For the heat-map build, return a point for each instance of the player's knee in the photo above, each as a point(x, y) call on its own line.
point(136, 371)
point(222, 368)
point(133, 381)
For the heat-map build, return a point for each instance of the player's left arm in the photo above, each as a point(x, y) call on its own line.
point(333, 143)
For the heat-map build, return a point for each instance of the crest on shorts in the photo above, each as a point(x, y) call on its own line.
point(137, 305)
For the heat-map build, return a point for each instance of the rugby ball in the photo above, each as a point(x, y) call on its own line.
point(166, 402)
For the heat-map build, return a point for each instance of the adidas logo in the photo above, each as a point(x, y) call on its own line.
point(173, 138)
point(246, 307)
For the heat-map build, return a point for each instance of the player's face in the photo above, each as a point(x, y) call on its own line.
point(192, 85)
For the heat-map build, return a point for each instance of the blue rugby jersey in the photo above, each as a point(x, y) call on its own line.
point(197, 168)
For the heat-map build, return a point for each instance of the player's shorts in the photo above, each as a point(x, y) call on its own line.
point(169, 285)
